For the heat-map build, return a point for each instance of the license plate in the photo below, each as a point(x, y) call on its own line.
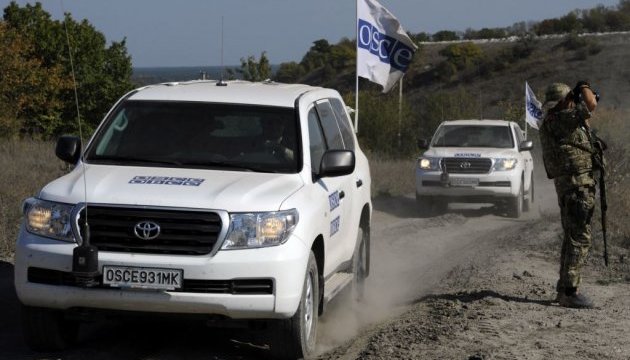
point(142, 278)
point(464, 182)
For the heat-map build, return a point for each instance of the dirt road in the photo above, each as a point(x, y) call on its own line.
point(469, 284)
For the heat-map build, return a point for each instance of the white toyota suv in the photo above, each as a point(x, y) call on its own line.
point(481, 161)
point(232, 200)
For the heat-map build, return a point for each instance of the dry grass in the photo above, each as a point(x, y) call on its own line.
point(392, 177)
point(615, 130)
point(26, 167)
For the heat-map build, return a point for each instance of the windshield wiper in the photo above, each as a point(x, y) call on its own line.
point(133, 159)
point(229, 165)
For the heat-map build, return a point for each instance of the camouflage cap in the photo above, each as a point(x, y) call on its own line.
point(555, 93)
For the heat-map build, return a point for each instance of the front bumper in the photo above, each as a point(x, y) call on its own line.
point(285, 265)
point(493, 185)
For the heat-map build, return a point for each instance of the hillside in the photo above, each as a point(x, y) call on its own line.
point(549, 62)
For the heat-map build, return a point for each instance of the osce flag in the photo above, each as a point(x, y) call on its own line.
point(384, 51)
point(533, 108)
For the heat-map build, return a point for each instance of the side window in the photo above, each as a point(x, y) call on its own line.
point(519, 135)
point(316, 140)
point(329, 124)
point(344, 123)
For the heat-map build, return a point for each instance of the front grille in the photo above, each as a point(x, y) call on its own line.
point(181, 232)
point(467, 165)
point(234, 287)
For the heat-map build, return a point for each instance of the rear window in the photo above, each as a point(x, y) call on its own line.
point(494, 136)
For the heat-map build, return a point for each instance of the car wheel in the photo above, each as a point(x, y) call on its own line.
point(359, 268)
point(47, 329)
point(515, 206)
point(295, 338)
point(527, 202)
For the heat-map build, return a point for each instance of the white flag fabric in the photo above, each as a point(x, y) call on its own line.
point(384, 51)
point(533, 108)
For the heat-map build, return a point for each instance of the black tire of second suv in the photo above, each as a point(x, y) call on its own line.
point(293, 338)
point(528, 202)
point(47, 329)
point(515, 205)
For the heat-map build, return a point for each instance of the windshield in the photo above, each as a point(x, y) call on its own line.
point(199, 135)
point(473, 136)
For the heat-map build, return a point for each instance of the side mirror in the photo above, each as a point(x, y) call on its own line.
point(423, 144)
point(337, 163)
point(68, 149)
point(526, 146)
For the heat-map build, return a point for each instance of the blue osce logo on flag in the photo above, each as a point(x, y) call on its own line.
point(533, 110)
point(386, 48)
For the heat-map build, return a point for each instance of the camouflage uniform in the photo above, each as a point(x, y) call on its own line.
point(567, 155)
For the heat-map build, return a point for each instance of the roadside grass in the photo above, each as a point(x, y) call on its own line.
point(26, 167)
point(614, 128)
point(392, 177)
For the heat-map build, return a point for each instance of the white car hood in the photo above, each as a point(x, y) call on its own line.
point(234, 191)
point(470, 152)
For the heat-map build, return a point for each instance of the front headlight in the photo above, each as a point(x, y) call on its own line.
point(505, 164)
point(255, 230)
point(426, 163)
point(49, 219)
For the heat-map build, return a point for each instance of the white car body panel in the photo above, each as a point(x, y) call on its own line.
point(426, 179)
point(223, 191)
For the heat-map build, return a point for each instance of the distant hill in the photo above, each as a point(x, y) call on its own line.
point(603, 60)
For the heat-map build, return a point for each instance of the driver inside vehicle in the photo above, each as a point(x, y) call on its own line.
point(273, 133)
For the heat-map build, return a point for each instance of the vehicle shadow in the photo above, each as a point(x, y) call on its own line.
point(127, 337)
point(11, 341)
point(468, 297)
point(405, 207)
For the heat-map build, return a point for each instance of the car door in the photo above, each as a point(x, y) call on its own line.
point(525, 155)
point(337, 190)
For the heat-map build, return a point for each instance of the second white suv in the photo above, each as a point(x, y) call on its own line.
point(481, 161)
point(232, 200)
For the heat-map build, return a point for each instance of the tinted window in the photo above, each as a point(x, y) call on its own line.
point(316, 140)
point(344, 123)
point(519, 134)
point(473, 136)
point(329, 124)
point(199, 135)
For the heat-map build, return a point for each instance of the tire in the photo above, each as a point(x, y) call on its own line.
point(515, 204)
point(527, 202)
point(359, 268)
point(47, 329)
point(295, 338)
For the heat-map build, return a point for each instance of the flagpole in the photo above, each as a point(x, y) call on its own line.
point(400, 92)
point(356, 89)
point(525, 115)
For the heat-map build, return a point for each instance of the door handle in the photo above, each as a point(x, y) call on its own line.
point(359, 183)
point(342, 194)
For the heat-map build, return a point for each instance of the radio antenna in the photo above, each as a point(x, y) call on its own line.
point(85, 256)
point(221, 82)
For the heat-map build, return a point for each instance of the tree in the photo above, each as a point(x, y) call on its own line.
point(30, 101)
point(317, 56)
point(255, 70)
point(102, 73)
point(445, 35)
point(462, 55)
point(289, 72)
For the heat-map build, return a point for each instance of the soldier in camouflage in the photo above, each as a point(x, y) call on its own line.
point(568, 150)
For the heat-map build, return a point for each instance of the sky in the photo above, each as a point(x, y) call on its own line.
point(163, 33)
